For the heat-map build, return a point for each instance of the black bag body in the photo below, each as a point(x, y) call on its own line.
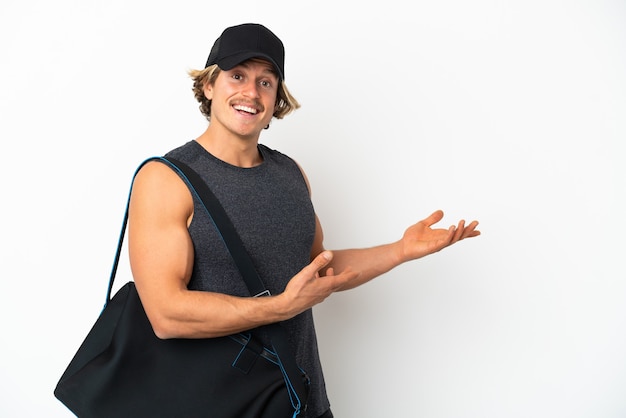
point(123, 370)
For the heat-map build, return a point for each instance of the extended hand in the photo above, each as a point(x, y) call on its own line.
point(420, 239)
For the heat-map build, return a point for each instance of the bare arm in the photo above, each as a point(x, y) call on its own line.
point(419, 240)
point(161, 258)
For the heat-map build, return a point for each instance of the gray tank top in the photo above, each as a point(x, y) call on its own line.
point(271, 209)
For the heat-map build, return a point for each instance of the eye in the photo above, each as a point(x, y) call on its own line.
point(266, 83)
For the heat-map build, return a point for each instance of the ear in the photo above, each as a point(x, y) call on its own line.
point(208, 91)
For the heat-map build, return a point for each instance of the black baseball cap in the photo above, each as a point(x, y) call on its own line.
point(242, 42)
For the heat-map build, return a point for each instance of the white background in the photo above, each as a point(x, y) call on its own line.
point(509, 112)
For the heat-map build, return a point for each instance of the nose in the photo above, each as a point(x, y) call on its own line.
point(250, 89)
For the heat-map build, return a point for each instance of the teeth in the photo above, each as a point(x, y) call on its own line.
point(245, 109)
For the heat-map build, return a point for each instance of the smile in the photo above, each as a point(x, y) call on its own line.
point(246, 109)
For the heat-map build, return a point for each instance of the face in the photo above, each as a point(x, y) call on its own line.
point(243, 98)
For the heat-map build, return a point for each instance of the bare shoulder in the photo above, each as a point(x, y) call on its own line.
point(155, 172)
point(157, 188)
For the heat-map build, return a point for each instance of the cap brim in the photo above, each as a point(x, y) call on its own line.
point(230, 62)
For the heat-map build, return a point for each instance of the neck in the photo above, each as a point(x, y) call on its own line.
point(232, 149)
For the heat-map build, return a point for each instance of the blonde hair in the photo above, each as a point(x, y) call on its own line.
point(285, 102)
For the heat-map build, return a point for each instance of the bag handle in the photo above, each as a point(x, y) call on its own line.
point(293, 375)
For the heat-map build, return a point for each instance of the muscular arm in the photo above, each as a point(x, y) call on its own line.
point(161, 258)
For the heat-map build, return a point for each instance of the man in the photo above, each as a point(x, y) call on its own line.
point(187, 281)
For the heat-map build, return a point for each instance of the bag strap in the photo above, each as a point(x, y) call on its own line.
point(225, 227)
point(278, 336)
point(293, 375)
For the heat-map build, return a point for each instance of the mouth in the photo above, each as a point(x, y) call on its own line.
point(246, 109)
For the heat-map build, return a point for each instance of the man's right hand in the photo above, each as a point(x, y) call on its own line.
point(308, 288)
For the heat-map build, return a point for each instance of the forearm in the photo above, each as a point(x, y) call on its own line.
point(198, 314)
point(369, 263)
point(176, 312)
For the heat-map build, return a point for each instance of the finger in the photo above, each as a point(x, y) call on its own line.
point(319, 262)
point(343, 279)
point(451, 233)
point(460, 229)
point(471, 230)
point(434, 217)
